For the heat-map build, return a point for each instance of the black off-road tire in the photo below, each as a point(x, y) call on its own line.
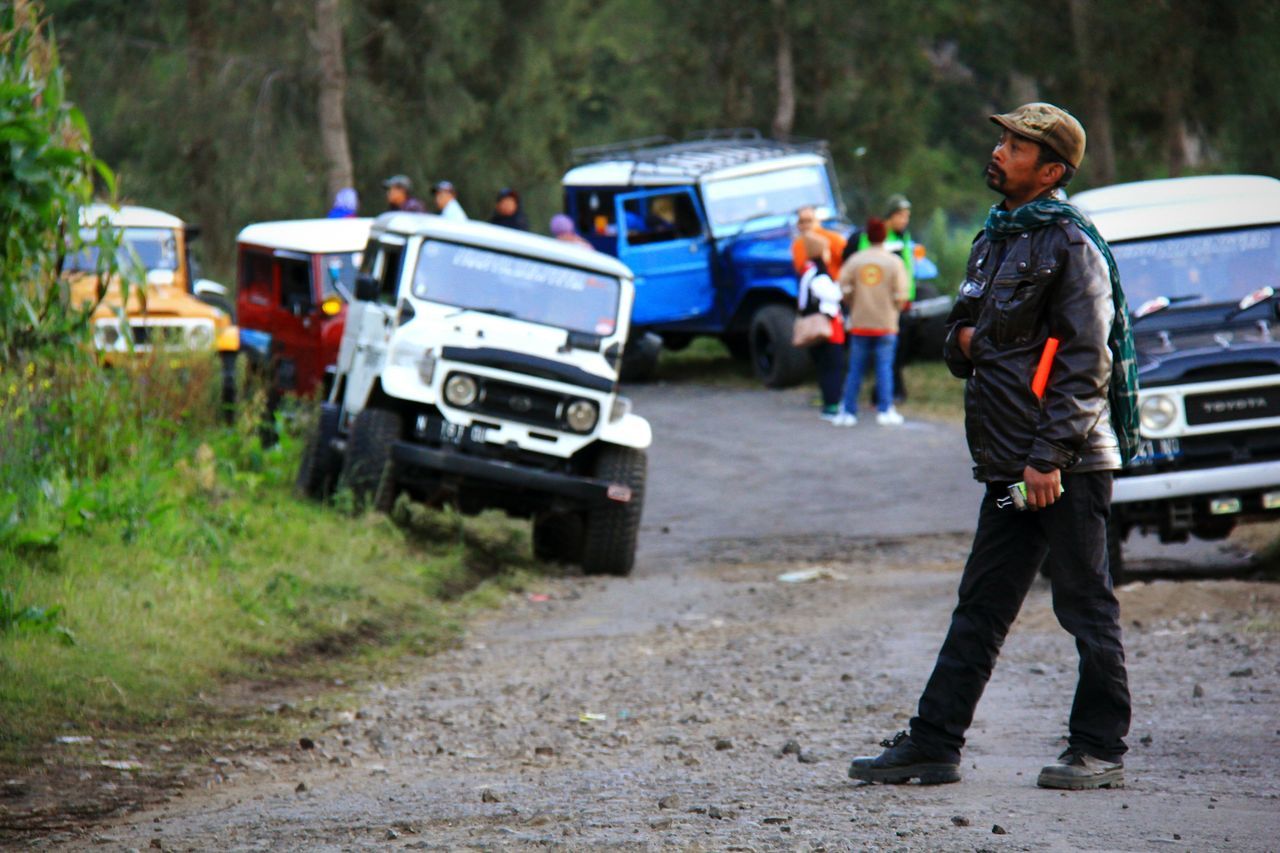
point(609, 537)
point(774, 360)
point(557, 537)
point(738, 345)
point(1115, 552)
point(369, 454)
point(319, 466)
point(640, 358)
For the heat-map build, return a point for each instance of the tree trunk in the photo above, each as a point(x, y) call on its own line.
point(327, 39)
point(199, 150)
point(1097, 96)
point(784, 118)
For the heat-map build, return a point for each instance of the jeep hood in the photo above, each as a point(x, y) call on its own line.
point(158, 299)
point(516, 345)
point(1189, 347)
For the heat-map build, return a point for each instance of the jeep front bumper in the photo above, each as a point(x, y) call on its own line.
point(586, 490)
point(1205, 481)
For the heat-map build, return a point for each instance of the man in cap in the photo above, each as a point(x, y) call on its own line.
point(398, 198)
point(1038, 270)
point(447, 201)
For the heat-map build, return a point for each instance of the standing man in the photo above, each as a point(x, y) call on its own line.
point(447, 201)
point(398, 198)
point(898, 240)
point(874, 283)
point(1038, 270)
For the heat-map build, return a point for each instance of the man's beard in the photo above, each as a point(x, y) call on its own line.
point(995, 177)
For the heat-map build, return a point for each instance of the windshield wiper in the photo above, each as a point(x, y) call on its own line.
point(497, 312)
point(1155, 306)
point(1259, 296)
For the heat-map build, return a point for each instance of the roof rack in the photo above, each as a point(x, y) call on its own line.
point(704, 152)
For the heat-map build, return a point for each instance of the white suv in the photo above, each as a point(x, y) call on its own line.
point(1199, 261)
point(479, 366)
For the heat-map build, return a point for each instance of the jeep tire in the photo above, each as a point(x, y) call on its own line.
point(640, 358)
point(557, 537)
point(319, 465)
point(368, 455)
point(611, 530)
point(775, 361)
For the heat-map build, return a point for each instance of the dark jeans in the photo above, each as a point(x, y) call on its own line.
point(830, 361)
point(1008, 550)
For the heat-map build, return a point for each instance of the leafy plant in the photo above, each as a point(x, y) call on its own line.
point(47, 172)
point(31, 619)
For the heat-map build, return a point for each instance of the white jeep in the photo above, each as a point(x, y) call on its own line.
point(479, 367)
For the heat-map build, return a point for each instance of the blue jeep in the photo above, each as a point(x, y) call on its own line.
point(706, 226)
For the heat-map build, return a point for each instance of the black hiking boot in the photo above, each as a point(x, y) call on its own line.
point(1078, 771)
point(901, 762)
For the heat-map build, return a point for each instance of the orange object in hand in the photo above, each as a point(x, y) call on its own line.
point(1041, 379)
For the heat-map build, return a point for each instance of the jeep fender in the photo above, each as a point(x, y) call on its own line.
point(631, 430)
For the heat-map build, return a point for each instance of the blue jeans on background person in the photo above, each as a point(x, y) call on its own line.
point(861, 348)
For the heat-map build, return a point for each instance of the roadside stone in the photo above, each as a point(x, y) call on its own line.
point(1145, 740)
point(301, 789)
point(791, 747)
point(1244, 672)
point(1197, 692)
point(723, 743)
point(715, 813)
point(661, 823)
point(808, 756)
point(391, 835)
point(670, 801)
point(306, 742)
point(544, 751)
point(997, 829)
point(488, 796)
point(959, 820)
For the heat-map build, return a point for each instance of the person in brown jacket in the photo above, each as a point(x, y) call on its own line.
point(875, 283)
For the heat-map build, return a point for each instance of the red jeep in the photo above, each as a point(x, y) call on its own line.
point(293, 282)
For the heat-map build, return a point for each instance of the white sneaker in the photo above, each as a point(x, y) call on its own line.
point(830, 417)
point(889, 418)
point(845, 419)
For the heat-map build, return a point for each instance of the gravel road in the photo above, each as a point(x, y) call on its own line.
point(703, 704)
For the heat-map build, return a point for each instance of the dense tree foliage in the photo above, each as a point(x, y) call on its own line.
point(209, 107)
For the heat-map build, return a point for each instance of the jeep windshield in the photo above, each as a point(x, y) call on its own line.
point(523, 288)
point(1195, 270)
point(144, 249)
point(732, 202)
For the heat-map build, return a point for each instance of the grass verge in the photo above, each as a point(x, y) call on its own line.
point(193, 564)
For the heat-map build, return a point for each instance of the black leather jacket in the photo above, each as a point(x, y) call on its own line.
point(1018, 292)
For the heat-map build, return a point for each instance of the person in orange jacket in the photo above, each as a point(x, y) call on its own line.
point(807, 223)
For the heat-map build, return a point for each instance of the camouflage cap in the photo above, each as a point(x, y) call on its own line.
point(896, 202)
point(1048, 125)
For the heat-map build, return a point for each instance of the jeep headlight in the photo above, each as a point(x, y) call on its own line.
point(581, 415)
point(1157, 412)
point(200, 338)
point(461, 390)
point(106, 336)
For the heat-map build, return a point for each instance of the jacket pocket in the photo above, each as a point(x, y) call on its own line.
point(1019, 304)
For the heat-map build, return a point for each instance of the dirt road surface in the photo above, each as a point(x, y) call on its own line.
point(704, 704)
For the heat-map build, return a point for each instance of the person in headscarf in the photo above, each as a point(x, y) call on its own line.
point(345, 204)
point(562, 229)
point(508, 212)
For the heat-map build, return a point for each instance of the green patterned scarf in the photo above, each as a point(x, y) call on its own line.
point(1122, 395)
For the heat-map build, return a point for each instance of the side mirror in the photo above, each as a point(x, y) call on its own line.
point(367, 288)
point(205, 287)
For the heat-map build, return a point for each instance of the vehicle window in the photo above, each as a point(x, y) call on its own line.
point(593, 214)
point(340, 273)
point(256, 272)
point(389, 273)
point(659, 218)
point(295, 285)
point(514, 286)
point(779, 193)
point(1215, 267)
point(144, 249)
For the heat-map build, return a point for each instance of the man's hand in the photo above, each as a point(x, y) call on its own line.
point(963, 336)
point(1042, 489)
